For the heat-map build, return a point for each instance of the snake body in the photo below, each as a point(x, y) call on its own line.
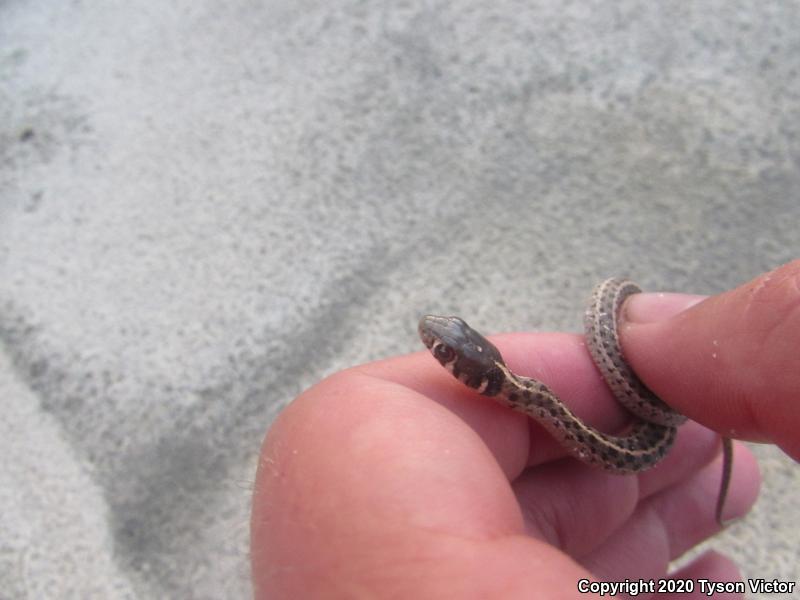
point(476, 362)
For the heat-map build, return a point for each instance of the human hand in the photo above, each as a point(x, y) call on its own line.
point(394, 480)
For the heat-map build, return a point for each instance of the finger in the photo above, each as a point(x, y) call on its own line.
point(559, 360)
point(639, 550)
point(504, 432)
point(707, 571)
point(730, 361)
point(695, 447)
point(369, 489)
point(672, 521)
point(688, 507)
point(576, 507)
point(562, 362)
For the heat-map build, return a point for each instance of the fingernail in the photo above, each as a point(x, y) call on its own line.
point(653, 307)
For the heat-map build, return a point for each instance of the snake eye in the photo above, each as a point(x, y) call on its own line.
point(444, 354)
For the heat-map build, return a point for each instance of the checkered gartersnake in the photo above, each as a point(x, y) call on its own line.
point(476, 362)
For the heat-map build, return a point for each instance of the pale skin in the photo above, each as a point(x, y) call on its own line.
point(393, 480)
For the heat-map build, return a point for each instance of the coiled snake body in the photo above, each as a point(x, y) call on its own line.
point(476, 362)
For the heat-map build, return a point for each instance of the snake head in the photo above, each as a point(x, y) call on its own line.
point(469, 356)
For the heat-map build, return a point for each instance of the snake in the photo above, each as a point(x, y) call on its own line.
point(476, 362)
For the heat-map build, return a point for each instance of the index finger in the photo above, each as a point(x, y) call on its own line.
point(560, 360)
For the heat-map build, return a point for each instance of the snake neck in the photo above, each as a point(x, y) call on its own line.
point(489, 382)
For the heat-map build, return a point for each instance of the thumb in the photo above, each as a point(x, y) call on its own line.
point(731, 361)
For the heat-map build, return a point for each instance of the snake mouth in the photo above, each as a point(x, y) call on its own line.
point(433, 328)
point(450, 330)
